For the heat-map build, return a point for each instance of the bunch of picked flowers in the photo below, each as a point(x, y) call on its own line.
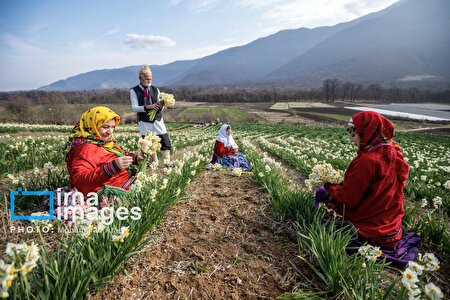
point(237, 172)
point(216, 167)
point(321, 174)
point(147, 147)
point(167, 100)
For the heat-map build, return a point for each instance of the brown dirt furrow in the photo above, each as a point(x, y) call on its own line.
point(220, 243)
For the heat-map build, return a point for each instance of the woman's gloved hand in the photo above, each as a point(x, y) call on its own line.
point(321, 196)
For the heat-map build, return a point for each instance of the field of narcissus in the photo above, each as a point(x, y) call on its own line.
point(61, 260)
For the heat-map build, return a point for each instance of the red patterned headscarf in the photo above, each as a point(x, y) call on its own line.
point(373, 128)
point(377, 131)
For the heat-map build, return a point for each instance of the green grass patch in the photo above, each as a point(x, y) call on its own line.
point(331, 116)
point(212, 114)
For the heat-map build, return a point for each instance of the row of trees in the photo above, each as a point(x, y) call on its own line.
point(331, 90)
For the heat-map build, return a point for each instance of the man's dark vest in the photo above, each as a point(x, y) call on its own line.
point(143, 116)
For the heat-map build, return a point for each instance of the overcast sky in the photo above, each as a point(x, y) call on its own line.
point(42, 41)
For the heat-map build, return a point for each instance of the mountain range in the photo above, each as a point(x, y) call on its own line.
point(406, 44)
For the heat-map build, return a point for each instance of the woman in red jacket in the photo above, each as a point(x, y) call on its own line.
point(94, 157)
point(226, 151)
point(372, 194)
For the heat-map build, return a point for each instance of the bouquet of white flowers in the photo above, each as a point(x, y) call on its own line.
point(147, 147)
point(237, 172)
point(321, 174)
point(167, 100)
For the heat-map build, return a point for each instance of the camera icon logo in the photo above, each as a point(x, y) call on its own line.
point(19, 191)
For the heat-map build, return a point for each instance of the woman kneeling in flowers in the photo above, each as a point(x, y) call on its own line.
point(94, 157)
point(371, 196)
point(226, 151)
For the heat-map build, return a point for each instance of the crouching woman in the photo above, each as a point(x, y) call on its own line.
point(371, 196)
point(226, 151)
point(94, 157)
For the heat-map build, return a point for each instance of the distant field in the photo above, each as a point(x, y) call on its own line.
point(236, 112)
point(332, 116)
point(69, 114)
point(195, 114)
point(289, 105)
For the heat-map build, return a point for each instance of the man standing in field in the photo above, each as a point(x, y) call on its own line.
point(145, 97)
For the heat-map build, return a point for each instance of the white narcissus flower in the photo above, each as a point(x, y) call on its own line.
point(431, 263)
point(415, 267)
point(117, 239)
point(414, 293)
point(124, 233)
point(7, 272)
point(424, 202)
point(437, 202)
point(447, 184)
point(433, 292)
point(409, 279)
point(370, 252)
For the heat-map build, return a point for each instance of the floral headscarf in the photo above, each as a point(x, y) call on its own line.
point(372, 127)
point(227, 140)
point(86, 130)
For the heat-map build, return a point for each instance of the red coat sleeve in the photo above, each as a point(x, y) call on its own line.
point(356, 183)
point(89, 170)
point(220, 150)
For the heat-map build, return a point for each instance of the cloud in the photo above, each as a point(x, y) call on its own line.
point(111, 32)
point(310, 13)
point(148, 41)
point(259, 4)
point(36, 28)
point(174, 2)
point(19, 45)
point(202, 5)
point(363, 7)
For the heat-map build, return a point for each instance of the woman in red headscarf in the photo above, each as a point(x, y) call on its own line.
point(371, 196)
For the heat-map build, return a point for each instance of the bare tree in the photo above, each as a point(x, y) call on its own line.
point(354, 91)
point(330, 89)
point(346, 88)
